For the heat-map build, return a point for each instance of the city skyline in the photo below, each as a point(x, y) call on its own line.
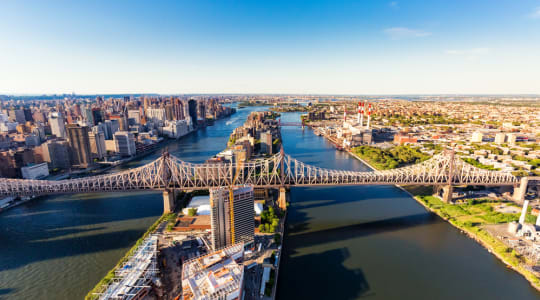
point(384, 48)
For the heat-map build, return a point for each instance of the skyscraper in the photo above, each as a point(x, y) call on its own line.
point(111, 127)
point(178, 109)
point(56, 153)
point(125, 143)
point(87, 115)
point(56, 121)
point(232, 221)
point(79, 143)
point(97, 144)
point(192, 108)
point(266, 142)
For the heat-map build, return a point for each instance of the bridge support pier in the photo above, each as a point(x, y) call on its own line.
point(523, 212)
point(282, 199)
point(447, 190)
point(521, 190)
point(168, 201)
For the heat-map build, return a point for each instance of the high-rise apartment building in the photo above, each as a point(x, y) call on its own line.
point(87, 115)
point(97, 144)
point(125, 143)
point(56, 153)
point(134, 116)
point(79, 143)
point(232, 216)
point(156, 114)
point(178, 109)
point(266, 142)
point(56, 121)
point(17, 115)
point(111, 127)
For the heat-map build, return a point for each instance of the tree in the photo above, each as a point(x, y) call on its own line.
point(277, 239)
point(192, 212)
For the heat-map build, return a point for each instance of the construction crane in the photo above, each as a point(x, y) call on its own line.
point(231, 200)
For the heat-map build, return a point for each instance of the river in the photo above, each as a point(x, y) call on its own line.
point(377, 242)
point(342, 242)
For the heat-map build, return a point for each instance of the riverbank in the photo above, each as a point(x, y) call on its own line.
point(94, 293)
point(474, 230)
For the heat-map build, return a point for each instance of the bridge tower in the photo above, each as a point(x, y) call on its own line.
point(168, 193)
point(448, 189)
point(520, 190)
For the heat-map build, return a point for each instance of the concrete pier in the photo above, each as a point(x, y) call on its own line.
point(521, 190)
point(448, 190)
point(523, 212)
point(282, 199)
point(168, 201)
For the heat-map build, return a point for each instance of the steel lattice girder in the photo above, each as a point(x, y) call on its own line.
point(171, 172)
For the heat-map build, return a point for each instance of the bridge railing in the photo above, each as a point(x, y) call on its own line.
point(278, 170)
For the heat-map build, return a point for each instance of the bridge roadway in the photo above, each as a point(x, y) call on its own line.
point(280, 170)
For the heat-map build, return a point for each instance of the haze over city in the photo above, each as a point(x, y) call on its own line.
point(321, 47)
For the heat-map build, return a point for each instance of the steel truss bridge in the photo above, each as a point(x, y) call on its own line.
point(281, 170)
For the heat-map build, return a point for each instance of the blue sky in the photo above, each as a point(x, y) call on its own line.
point(351, 47)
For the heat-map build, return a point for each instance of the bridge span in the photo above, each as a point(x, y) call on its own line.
point(278, 171)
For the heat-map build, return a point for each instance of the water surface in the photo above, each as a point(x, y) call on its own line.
point(377, 242)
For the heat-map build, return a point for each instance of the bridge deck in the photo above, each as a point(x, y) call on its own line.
point(169, 172)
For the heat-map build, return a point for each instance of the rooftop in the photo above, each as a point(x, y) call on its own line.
point(216, 275)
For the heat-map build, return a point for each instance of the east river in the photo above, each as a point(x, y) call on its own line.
point(341, 242)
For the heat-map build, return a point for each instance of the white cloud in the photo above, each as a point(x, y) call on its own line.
point(394, 4)
point(536, 13)
point(470, 54)
point(473, 51)
point(404, 32)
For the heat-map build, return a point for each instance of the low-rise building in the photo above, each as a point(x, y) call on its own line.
point(125, 143)
point(35, 171)
point(218, 275)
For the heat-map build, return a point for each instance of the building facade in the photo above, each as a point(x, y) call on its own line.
point(232, 221)
point(56, 153)
point(125, 143)
point(79, 143)
point(97, 144)
point(56, 121)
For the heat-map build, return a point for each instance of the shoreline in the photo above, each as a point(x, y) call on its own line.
point(468, 233)
point(102, 170)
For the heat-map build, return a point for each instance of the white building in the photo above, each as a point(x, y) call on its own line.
point(125, 143)
point(135, 114)
point(156, 114)
point(8, 126)
point(477, 137)
point(512, 139)
point(500, 138)
point(56, 121)
point(35, 171)
point(175, 129)
point(216, 275)
point(97, 144)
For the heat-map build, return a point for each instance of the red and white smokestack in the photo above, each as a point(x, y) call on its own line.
point(344, 114)
point(369, 110)
point(359, 116)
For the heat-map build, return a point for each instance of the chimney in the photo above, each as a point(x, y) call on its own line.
point(369, 115)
